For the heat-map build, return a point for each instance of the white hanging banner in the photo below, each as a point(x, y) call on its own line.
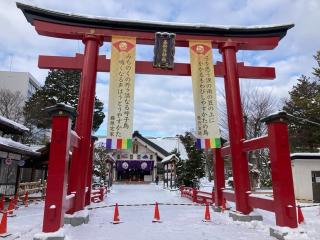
point(204, 94)
point(121, 93)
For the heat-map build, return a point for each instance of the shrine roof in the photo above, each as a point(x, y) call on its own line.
point(11, 127)
point(33, 13)
point(7, 144)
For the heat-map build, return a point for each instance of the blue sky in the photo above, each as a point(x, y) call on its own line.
point(163, 104)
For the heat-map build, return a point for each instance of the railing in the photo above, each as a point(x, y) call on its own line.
point(32, 187)
point(97, 195)
point(283, 201)
point(197, 196)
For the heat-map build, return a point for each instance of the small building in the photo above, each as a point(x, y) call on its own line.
point(306, 176)
point(13, 155)
point(169, 165)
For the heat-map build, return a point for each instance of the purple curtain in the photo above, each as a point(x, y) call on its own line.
point(134, 165)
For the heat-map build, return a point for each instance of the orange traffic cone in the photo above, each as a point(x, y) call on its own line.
point(26, 198)
point(10, 207)
point(300, 215)
point(116, 218)
point(3, 224)
point(156, 217)
point(207, 217)
point(2, 203)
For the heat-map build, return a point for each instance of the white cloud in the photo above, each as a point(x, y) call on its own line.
point(163, 104)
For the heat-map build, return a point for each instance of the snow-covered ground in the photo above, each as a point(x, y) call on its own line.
point(179, 221)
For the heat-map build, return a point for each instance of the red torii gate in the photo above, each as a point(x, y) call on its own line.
point(93, 32)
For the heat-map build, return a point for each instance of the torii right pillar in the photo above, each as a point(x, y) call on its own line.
point(240, 168)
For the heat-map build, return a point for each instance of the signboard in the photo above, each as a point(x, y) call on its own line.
point(204, 94)
point(121, 93)
point(164, 50)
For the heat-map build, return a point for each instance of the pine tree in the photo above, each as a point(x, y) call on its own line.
point(60, 87)
point(194, 166)
point(304, 103)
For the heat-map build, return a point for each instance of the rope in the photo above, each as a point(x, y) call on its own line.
point(151, 204)
point(315, 205)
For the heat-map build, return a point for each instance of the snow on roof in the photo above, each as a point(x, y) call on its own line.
point(13, 144)
point(169, 158)
point(306, 155)
point(13, 124)
point(169, 144)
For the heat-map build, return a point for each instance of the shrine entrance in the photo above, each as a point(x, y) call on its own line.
point(228, 40)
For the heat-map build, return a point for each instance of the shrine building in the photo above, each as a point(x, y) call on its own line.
point(142, 163)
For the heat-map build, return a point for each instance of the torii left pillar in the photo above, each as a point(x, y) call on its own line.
point(81, 155)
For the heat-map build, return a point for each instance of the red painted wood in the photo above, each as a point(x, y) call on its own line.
point(282, 183)
point(230, 196)
point(81, 155)
point(57, 174)
point(240, 168)
point(145, 67)
point(75, 139)
point(219, 182)
point(262, 203)
point(256, 143)
point(89, 174)
point(69, 202)
point(225, 151)
point(148, 38)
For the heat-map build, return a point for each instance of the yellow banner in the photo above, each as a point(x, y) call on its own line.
point(204, 94)
point(121, 89)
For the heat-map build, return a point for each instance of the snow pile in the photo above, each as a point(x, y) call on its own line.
point(80, 214)
point(43, 236)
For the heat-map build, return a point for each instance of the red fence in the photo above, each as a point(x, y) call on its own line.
point(283, 201)
point(197, 196)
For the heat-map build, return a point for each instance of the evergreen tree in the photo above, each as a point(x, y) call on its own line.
point(194, 166)
point(304, 103)
point(60, 87)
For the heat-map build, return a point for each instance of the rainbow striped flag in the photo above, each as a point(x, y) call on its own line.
point(118, 143)
point(208, 143)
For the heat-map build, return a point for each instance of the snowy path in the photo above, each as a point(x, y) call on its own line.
point(179, 222)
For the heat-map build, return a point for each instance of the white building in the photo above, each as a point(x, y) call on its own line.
point(306, 176)
point(23, 82)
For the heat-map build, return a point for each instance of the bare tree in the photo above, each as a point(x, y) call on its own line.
point(256, 103)
point(11, 105)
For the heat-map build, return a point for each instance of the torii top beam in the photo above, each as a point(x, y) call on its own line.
point(71, 26)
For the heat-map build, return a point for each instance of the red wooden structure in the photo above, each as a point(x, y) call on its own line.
point(282, 203)
point(93, 32)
